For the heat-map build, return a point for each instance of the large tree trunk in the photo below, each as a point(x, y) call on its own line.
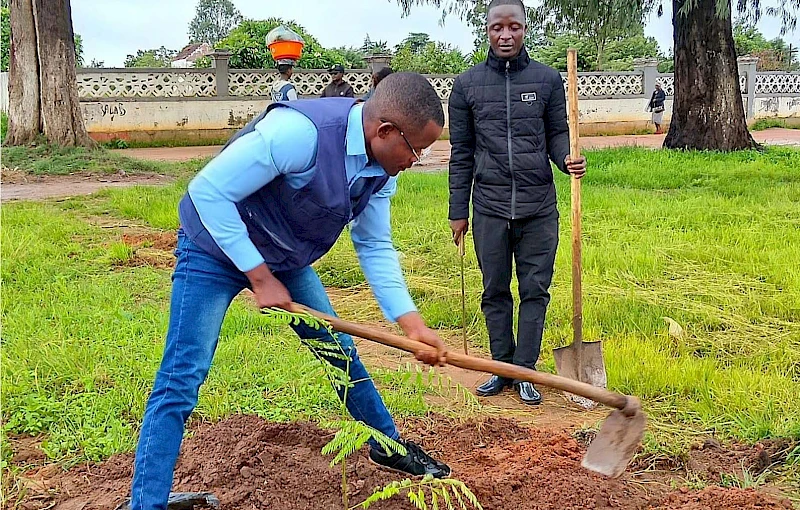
point(707, 111)
point(24, 117)
point(62, 119)
point(43, 90)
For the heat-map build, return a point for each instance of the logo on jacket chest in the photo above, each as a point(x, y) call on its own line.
point(528, 97)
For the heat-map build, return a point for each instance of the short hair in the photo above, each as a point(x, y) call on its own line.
point(408, 99)
point(498, 3)
point(382, 73)
point(283, 68)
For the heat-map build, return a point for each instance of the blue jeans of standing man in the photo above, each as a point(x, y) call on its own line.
point(202, 290)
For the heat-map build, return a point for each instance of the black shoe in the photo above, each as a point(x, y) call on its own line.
point(493, 386)
point(529, 394)
point(415, 462)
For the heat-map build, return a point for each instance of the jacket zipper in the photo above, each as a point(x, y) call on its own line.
point(508, 138)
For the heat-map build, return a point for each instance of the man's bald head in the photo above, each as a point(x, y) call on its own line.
point(402, 117)
point(407, 99)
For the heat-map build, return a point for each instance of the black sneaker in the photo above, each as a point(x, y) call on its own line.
point(415, 462)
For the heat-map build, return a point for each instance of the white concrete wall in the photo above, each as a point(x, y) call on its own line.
point(216, 117)
point(185, 115)
point(122, 119)
point(3, 92)
point(777, 107)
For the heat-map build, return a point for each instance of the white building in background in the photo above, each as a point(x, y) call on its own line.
point(189, 54)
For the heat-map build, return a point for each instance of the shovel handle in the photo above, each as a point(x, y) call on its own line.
point(461, 253)
point(575, 187)
point(629, 405)
point(460, 244)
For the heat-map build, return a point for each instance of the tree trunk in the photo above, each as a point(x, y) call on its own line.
point(62, 118)
point(24, 115)
point(707, 111)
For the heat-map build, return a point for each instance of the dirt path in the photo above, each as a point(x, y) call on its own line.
point(441, 149)
point(44, 187)
point(62, 186)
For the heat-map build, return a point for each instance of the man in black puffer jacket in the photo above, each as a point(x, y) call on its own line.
point(508, 119)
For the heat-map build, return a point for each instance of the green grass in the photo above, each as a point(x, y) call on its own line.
point(118, 143)
point(708, 240)
point(762, 124)
point(82, 341)
point(45, 159)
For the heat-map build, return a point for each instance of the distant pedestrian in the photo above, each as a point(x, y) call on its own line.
point(338, 87)
point(376, 79)
point(283, 89)
point(656, 105)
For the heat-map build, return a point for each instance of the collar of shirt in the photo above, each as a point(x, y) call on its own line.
point(357, 163)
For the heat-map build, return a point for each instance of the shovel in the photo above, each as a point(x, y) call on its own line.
point(581, 361)
point(611, 450)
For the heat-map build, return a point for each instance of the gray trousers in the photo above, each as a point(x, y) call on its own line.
point(532, 243)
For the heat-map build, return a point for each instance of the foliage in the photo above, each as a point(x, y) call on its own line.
point(772, 55)
point(248, 45)
point(213, 21)
point(554, 53)
point(5, 41)
point(352, 435)
point(158, 57)
point(620, 54)
point(351, 58)
point(449, 494)
point(78, 50)
point(418, 54)
point(5, 38)
point(600, 22)
point(414, 41)
point(370, 47)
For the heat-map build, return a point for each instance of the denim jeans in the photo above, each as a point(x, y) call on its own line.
point(202, 290)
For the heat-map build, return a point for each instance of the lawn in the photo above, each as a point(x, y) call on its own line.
point(706, 240)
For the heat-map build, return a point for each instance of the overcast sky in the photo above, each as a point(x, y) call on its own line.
point(112, 29)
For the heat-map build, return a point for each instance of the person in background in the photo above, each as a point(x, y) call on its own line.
point(508, 121)
point(656, 105)
point(376, 79)
point(283, 89)
point(338, 87)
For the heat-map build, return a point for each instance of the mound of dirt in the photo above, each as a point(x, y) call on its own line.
point(250, 463)
point(717, 497)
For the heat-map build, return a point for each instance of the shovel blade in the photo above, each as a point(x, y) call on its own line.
point(592, 372)
point(616, 443)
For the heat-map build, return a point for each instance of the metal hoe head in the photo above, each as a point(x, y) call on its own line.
point(614, 446)
point(589, 369)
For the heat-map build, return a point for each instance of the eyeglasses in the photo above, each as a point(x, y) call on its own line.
point(418, 155)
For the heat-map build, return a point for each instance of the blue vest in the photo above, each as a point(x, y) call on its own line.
point(283, 93)
point(292, 228)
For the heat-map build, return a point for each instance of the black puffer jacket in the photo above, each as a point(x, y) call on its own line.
point(507, 119)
